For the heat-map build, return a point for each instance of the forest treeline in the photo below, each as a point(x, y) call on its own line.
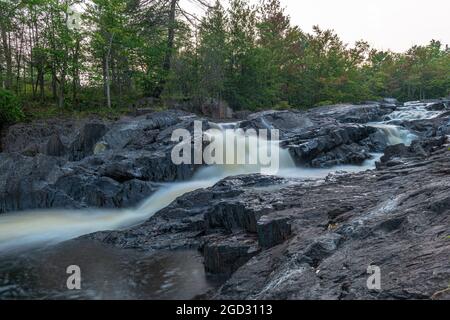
point(107, 53)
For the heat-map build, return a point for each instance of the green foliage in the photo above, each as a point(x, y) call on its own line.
point(251, 56)
point(283, 105)
point(10, 110)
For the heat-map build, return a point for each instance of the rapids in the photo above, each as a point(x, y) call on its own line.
point(24, 230)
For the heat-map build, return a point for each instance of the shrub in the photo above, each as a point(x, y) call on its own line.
point(325, 103)
point(283, 105)
point(10, 110)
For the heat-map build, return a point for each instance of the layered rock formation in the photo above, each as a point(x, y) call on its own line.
point(287, 239)
point(89, 164)
point(267, 237)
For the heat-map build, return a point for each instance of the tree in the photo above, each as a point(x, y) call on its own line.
point(213, 52)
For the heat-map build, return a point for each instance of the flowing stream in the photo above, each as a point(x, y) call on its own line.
point(20, 232)
point(24, 229)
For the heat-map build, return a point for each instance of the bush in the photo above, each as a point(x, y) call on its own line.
point(324, 103)
point(283, 105)
point(10, 110)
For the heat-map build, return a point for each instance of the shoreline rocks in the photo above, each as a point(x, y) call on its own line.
point(269, 237)
point(317, 238)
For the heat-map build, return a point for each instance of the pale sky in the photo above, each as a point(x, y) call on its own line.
point(385, 24)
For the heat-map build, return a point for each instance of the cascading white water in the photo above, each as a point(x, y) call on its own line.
point(40, 227)
point(395, 134)
point(53, 226)
point(415, 110)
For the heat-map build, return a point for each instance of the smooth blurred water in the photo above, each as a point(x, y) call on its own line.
point(22, 230)
point(29, 270)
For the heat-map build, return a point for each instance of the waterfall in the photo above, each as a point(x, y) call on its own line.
point(395, 134)
point(50, 226)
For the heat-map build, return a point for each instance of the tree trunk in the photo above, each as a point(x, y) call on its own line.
point(107, 84)
point(106, 77)
point(54, 83)
point(8, 58)
point(170, 36)
point(62, 86)
point(76, 73)
point(169, 50)
point(40, 79)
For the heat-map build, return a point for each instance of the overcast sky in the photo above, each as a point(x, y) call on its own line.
point(385, 24)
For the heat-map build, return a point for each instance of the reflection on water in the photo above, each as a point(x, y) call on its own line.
point(106, 273)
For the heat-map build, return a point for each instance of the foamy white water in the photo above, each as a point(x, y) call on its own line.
point(46, 227)
point(414, 110)
point(395, 134)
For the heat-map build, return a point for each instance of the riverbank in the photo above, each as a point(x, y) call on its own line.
point(266, 237)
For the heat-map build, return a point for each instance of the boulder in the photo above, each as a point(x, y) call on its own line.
point(23, 137)
point(349, 113)
point(55, 147)
point(418, 149)
point(225, 255)
point(330, 145)
point(281, 120)
point(437, 106)
point(273, 230)
point(320, 248)
point(393, 218)
point(83, 145)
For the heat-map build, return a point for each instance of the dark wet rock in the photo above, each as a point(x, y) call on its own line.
point(23, 186)
point(444, 129)
point(272, 238)
point(438, 106)
point(143, 165)
point(281, 120)
point(201, 212)
point(141, 132)
point(55, 147)
point(429, 127)
point(320, 249)
point(35, 135)
point(242, 114)
point(317, 239)
point(273, 230)
point(96, 165)
point(48, 182)
point(397, 151)
point(348, 113)
point(83, 145)
point(393, 155)
point(225, 255)
point(331, 145)
point(387, 227)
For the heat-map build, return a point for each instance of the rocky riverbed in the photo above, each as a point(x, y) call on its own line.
point(310, 232)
